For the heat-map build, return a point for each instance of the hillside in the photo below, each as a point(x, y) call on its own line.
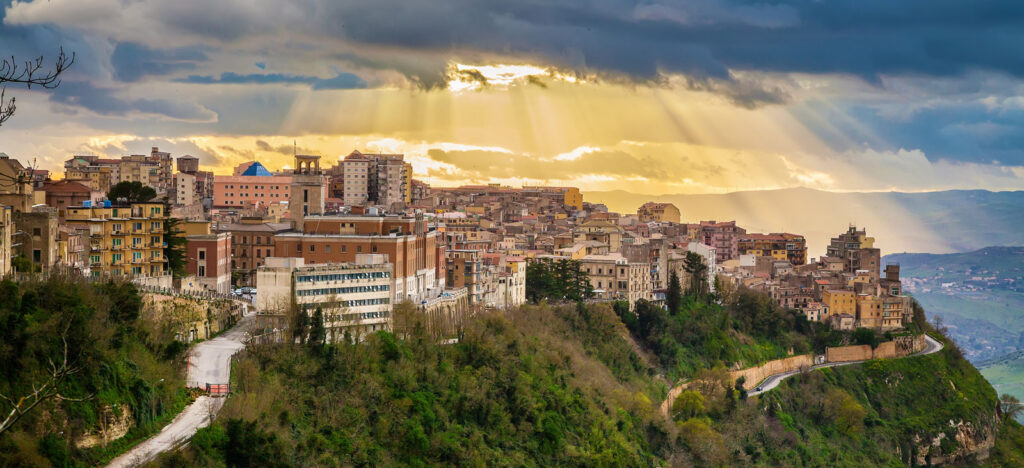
point(940, 222)
point(108, 381)
point(565, 385)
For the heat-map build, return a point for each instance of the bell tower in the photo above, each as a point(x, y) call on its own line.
point(308, 189)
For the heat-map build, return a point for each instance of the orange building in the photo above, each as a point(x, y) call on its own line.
point(255, 185)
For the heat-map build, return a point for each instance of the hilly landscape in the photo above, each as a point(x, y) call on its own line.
point(935, 222)
point(979, 296)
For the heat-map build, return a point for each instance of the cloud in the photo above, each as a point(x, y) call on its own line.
point(80, 95)
point(133, 61)
point(339, 81)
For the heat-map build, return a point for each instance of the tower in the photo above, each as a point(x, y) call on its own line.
point(308, 189)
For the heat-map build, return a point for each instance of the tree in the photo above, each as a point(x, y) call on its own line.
point(1010, 406)
point(739, 387)
point(47, 390)
point(174, 249)
point(674, 296)
point(317, 332)
point(558, 280)
point(29, 73)
point(131, 192)
point(689, 404)
point(698, 271)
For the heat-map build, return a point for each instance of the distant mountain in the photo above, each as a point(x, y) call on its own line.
point(937, 222)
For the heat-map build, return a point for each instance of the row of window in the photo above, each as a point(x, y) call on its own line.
point(343, 276)
point(344, 248)
point(345, 290)
point(274, 187)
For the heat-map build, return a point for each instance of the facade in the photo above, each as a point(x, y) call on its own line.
point(124, 240)
point(252, 241)
point(779, 246)
point(6, 230)
point(724, 237)
point(613, 277)
point(375, 179)
point(355, 297)
point(208, 258)
point(185, 188)
point(308, 189)
point(64, 193)
point(154, 170)
point(839, 302)
point(188, 164)
point(658, 212)
point(254, 185)
point(36, 236)
point(413, 248)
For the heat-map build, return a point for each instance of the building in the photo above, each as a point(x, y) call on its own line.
point(658, 212)
point(185, 189)
point(839, 302)
point(6, 230)
point(254, 185)
point(64, 193)
point(567, 196)
point(613, 277)
point(779, 246)
point(35, 237)
point(101, 174)
point(124, 240)
point(252, 241)
point(375, 179)
point(724, 237)
point(409, 244)
point(308, 189)
point(355, 297)
point(208, 258)
point(857, 251)
point(512, 283)
point(17, 190)
point(188, 164)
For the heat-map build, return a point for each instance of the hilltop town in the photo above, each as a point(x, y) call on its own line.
point(363, 235)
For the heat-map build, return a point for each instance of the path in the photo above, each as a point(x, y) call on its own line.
point(931, 346)
point(209, 363)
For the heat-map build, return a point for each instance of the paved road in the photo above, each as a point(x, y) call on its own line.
point(931, 346)
point(210, 362)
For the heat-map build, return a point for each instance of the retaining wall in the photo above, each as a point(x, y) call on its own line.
point(757, 374)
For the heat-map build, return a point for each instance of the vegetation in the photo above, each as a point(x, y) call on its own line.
point(559, 280)
point(79, 354)
point(175, 242)
point(131, 192)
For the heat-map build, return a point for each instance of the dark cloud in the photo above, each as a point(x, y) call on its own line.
point(283, 149)
point(132, 61)
point(107, 102)
point(339, 81)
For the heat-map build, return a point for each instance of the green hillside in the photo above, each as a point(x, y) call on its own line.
point(573, 385)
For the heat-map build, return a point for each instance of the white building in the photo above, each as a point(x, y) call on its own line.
point(512, 284)
point(185, 189)
point(708, 252)
point(355, 298)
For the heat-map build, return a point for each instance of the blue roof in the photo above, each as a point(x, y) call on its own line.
point(257, 169)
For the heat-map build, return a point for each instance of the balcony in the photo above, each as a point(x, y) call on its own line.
point(116, 247)
point(118, 232)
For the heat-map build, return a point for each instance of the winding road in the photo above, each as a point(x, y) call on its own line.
point(931, 346)
point(209, 363)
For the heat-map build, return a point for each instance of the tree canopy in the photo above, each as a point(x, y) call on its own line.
point(131, 192)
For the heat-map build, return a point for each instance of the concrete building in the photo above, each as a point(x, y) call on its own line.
point(125, 240)
point(780, 246)
point(17, 189)
point(254, 185)
point(839, 302)
point(658, 212)
point(512, 284)
point(409, 244)
point(208, 258)
point(101, 174)
point(188, 164)
point(185, 189)
point(36, 236)
point(724, 237)
point(64, 193)
point(355, 297)
point(376, 179)
point(613, 277)
point(857, 251)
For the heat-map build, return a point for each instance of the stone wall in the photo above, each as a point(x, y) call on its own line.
point(755, 375)
point(848, 353)
point(885, 350)
point(112, 427)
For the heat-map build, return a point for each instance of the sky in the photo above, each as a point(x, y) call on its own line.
point(653, 97)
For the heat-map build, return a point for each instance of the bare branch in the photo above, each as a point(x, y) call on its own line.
point(30, 73)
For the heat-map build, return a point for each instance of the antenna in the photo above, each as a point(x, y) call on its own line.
point(295, 148)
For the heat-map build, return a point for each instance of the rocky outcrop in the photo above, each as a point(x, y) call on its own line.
point(962, 442)
point(112, 427)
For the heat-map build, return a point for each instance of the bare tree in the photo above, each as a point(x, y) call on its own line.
point(49, 389)
point(29, 73)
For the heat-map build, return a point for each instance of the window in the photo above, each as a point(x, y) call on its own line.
point(374, 248)
point(298, 248)
point(328, 249)
point(344, 248)
point(37, 255)
point(202, 254)
point(202, 270)
point(311, 248)
point(359, 248)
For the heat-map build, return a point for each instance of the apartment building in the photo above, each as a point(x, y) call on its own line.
point(62, 194)
point(154, 170)
point(723, 236)
point(376, 179)
point(185, 189)
point(125, 240)
point(208, 258)
point(252, 241)
point(779, 246)
point(35, 237)
point(857, 251)
point(658, 212)
point(355, 297)
point(253, 186)
point(101, 174)
point(613, 277)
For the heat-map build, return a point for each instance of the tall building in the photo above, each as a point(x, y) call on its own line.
point(308, 189)
point(857, 251)
point(376, 179)
point(613, 277)
point(188, 164)
point(724, 237)
point(658, 212)
point(185, 189)
point(125, 240)
point(252, 241)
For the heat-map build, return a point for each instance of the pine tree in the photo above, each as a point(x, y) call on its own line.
point(674, 297)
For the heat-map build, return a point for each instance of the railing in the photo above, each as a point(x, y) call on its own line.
point(192, 294)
